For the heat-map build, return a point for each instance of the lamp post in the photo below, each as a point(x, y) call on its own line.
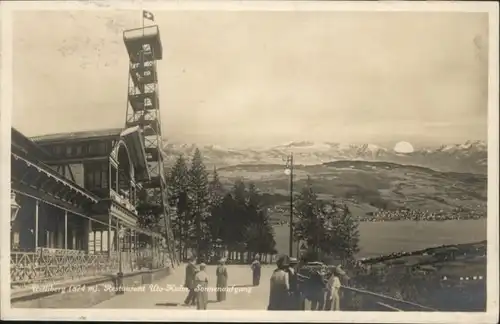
point(14, 210)
point(289, 172)
point(119, 277)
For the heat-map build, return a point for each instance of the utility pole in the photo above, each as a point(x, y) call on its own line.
point(289, 172)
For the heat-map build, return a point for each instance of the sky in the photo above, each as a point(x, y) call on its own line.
point(241, 78)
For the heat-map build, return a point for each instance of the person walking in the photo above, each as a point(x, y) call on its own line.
point(256, 271)
point(316, 289)
point(294, 300)
point(279, 286)
point(189, 281)
point(201, 287)
point(221, 273)
point(333, 287)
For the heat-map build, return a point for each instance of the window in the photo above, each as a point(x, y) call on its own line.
point(69, 150)
point(79, 150)
point(92, 148)
point(113, 178)
point(97, 178)
point(104, 175)
point(102, 148)
point(96, 175)
point(89, 176)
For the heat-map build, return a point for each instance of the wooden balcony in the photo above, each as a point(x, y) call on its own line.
point(137, 39)
point(155, 182)
point(142, 74)
point(151, 126)
point(144, 101)
point(152, 154)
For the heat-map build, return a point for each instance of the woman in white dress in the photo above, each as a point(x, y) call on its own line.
point(334, 285)
point(201, 284)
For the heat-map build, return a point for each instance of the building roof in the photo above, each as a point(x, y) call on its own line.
point(135, 141)
point(27, 146)
point(83, 135)
point(57, 177)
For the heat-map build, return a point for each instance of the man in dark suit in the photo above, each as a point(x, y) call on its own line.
point(294, 300)
point(189, 281)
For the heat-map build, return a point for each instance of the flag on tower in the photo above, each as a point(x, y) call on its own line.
point(148, 15)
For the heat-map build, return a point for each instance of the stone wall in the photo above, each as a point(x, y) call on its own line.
point(81, 293)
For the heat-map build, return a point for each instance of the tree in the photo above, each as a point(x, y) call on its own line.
point(178, 187)
point(216, 197)
point(329, 229)
point(148, 218)
point(258, 232)
point(339, 236)
point(227, 232)
point(199, 201)
point(259, 235)
point(244, 221)
point(215, 189)
point(309, 226)
point(253, 197)
point(240, 216)
point(253, 207)
point(345, 232)
point(239, 192)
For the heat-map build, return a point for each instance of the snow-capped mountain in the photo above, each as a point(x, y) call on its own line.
point(470, 157)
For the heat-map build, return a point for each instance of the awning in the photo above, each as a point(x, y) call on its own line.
point(51, 176)
point(135, 142)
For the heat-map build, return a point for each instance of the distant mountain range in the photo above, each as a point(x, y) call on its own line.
point(469, 157)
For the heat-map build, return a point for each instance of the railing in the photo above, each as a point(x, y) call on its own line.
point(141, 32)
point(355, 299)
point(125, 202)
point(45, 265)
point(52, 265)
point(237, 257)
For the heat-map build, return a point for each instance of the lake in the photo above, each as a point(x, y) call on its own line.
point(378, 238)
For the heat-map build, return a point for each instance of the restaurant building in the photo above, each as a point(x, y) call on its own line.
point(73, 201)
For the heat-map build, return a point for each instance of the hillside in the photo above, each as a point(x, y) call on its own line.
point(468, 157)
point(368, 186)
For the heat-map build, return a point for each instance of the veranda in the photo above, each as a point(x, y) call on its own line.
point(51, 243)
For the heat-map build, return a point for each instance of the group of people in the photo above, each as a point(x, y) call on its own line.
point(287, 292)
point(196, 281)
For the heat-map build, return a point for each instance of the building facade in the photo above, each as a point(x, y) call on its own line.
point(77, 196)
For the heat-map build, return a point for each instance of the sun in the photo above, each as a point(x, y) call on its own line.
point(403, 147)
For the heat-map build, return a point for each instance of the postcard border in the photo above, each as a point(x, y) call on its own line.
point(491, 315)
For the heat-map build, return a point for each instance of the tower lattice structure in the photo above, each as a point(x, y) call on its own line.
point(143, 109)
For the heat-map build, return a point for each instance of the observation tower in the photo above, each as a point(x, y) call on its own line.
point(143, 109)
